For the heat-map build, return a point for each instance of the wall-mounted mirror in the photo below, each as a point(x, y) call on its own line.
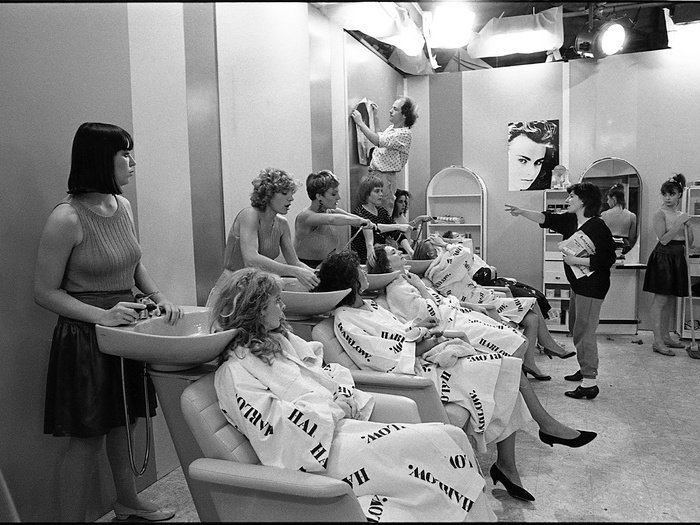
point(605, 173)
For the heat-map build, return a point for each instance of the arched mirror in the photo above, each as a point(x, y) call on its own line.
point(606, 173)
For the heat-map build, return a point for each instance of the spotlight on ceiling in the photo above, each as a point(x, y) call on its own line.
point(600, 38)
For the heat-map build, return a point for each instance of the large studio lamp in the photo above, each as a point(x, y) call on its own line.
point(600, 38)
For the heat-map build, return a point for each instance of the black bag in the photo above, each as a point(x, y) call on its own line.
point(484, 277)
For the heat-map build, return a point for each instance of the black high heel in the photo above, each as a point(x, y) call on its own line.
point(512, 489)
point(584, 438)
point(551, 354)
point(542, 377)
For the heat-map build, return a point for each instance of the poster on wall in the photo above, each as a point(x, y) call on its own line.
point(364, 146)
point(533, 152)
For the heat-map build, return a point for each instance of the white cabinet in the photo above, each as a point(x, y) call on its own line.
point(555, 286)
point(618, 315)
point(691, 205)
point(457, 197)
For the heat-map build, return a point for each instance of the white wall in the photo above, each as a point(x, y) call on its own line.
point(264, 103)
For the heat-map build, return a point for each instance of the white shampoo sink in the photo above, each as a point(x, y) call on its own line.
point(186, 344)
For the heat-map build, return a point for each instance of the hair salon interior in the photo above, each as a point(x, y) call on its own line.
point(213, 93)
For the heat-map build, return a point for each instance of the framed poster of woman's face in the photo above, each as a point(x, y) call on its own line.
point(533, 152)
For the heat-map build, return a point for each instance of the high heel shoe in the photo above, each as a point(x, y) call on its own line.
point(584, 438)
point(566, 355)
point(512, 489)
point(123, 513)
point(588, 392)
point(539, 377)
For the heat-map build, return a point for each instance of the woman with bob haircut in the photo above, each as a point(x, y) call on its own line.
point(88, 262)
point(260, 232)
point(310, 417)
point(316, 232)
point(587, 270)
point(385, 230)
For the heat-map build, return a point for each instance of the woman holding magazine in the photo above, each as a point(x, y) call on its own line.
point(588, 252)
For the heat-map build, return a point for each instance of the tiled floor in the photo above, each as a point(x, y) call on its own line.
point(644, 465)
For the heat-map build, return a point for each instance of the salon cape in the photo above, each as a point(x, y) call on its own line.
point(485, 384)
point(451, 274)
point(399, 472)
point(485, 334)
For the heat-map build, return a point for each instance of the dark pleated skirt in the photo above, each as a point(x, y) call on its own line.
point(667, 271)
point(84, 387)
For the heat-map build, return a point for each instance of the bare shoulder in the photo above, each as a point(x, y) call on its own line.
point(63, 224)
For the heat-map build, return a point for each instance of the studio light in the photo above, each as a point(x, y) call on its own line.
point(600, 38)
point(451, 26)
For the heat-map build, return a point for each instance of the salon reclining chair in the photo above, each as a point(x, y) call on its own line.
point(241, 489)
point(420, 389)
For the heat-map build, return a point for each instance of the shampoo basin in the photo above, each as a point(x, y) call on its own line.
point(302, 304)
point(166, 347)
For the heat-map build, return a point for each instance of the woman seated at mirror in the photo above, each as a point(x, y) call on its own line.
point(260, 232)
point(300, 415)
point(489, 385)
point(451, 273)
point(621, 221)
point(316, 232)
point(386, 230)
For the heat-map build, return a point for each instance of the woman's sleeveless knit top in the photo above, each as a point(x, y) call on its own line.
point(268, 245)
point(107, 257)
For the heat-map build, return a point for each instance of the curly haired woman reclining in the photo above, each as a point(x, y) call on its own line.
point(298, 414)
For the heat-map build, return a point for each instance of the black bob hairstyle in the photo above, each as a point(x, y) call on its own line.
point(92, 159)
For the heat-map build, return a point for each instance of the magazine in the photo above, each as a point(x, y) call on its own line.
point(578, 245)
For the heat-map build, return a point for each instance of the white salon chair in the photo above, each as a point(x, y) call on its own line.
point(241, 489)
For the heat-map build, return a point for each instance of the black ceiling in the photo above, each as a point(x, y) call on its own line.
point(648, 28)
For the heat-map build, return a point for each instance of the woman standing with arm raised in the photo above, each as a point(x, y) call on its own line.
point(316, 228)
point(589, 290)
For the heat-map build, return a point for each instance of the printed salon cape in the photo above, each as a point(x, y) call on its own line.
point(485, 334)
point(399, 472)
point(451, 274)
point(486, 384)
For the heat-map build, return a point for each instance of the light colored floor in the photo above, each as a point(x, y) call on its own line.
point(644, 466)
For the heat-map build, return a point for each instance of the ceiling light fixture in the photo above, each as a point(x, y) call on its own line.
point(600, 37)
point(534, 33)
point(451, 26)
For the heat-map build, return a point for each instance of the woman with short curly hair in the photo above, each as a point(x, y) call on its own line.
point(260, 233)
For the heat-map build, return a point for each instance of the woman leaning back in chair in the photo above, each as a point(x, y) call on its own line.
point(489, 385)
point(300, 415)
point(452, 272)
